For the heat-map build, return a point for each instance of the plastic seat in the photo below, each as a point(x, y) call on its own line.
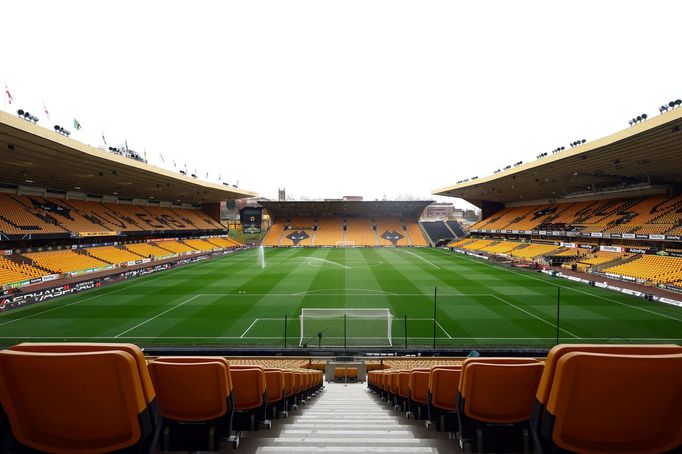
point(132, 349)
point(419, 392)
point(194, 400)
point(75, 402)
point(442, 397)
point(495, 402)
point(553, 357)
point(250, 397)
point(602, 403)
point(274, 382)
point(404, 384)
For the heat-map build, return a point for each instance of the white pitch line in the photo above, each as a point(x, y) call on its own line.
point(653, 339)
point(247, 329)
point(518, 273)
point(157, 316)
point(79, 301)
point(310, 292)
point(344, 294)
point(329, 261)
point(533, 315)
point(441, 327)
point(118, 289)
point(420, 257)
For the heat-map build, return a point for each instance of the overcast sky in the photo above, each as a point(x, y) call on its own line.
point(333, 98)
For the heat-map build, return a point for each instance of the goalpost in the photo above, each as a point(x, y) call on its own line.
point(345, 244)
point(339, 327)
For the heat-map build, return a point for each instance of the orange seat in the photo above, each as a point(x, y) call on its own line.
point(274, 381)
point(193, 390)
point(250, 396)
point(604, 403)
point(419, 385)
point(495, 401)
point(75, 402)
point(249, 387)
point(442, 396)
point(404, 384)
point(393, 382)
point(288, 383)
point(555, 354)
point(419, 391)
point(85, 347)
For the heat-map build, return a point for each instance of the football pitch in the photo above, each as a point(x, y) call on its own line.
point(234, 301)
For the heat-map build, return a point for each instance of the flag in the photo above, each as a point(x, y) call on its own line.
point(174, 166)
point(220, 178)
point(145, 155)
point(103, 139)
point(8, 94)
point(76, 125)
point(126, 144)
point(207, 175)
point(47, 113)
point(162, 160)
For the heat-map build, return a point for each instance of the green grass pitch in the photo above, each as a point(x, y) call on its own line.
point(233, 301)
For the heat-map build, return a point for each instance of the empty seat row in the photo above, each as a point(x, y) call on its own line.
point(584, 398)
point(85, 398)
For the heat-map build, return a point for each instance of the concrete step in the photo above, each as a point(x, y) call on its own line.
point(346, 419)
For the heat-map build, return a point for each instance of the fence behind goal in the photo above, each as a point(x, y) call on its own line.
point(340, 327)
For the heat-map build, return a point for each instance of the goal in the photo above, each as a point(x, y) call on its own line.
point(339, 327)
point(345, 244)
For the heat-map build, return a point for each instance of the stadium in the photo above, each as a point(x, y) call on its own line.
point(142, 258)
point(147, 308)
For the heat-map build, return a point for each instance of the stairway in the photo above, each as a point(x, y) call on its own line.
point(343, 419)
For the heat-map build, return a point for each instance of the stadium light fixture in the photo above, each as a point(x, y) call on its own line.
point(27, 116)
point(62, 131)
point(638, 119)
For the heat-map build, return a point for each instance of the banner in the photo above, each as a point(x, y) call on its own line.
point(85, 234)
point(6, 252)
point(611, 248)
point(637, 250)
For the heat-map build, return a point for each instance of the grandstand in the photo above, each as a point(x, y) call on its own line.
point(342, 223)
point(129, 212)
point(625, 226)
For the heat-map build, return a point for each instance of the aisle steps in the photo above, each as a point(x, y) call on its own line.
point(343, 419)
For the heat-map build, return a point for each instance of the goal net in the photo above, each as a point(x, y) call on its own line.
point(345, 244)
point(350, 327)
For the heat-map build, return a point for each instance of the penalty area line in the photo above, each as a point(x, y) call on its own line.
point(157, 316)
point(249, 328)
point(443, 329)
